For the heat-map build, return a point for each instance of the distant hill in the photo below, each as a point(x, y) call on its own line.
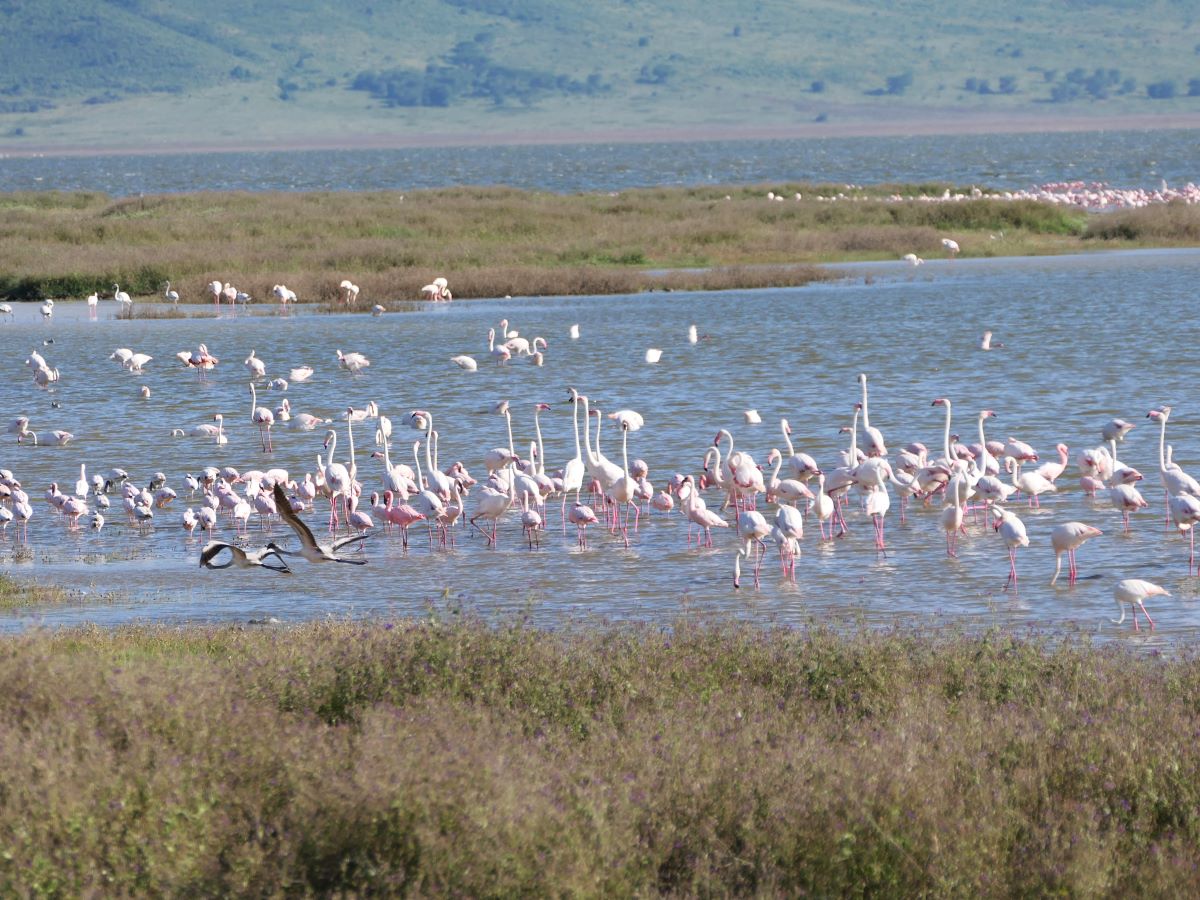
point(151, 73)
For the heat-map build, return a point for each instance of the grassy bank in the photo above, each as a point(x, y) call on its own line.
point(456, 758)
point(493, 242)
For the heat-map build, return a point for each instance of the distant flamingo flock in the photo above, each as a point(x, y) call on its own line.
point(965, 481)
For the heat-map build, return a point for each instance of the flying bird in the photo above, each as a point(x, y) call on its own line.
point(309, 548)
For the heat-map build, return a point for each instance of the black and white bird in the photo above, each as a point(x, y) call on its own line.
point(241, 559)
point(309, 548)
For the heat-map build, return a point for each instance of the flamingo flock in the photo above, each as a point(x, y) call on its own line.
point(747, 503)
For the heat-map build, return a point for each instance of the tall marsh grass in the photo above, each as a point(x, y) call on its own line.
point(456, 758)
point(487, 241)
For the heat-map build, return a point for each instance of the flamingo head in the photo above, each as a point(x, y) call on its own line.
point(940, 401)
point(988, 414)
point(542, 407)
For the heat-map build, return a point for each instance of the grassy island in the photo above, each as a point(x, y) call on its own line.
point(492, 242)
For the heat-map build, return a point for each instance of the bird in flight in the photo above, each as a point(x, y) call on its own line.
point(309, 548)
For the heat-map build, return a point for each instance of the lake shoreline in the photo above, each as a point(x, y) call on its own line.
point(948, 125)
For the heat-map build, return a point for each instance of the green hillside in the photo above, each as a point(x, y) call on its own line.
point(149, 73)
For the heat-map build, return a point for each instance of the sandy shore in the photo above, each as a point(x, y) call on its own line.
point(942, 124)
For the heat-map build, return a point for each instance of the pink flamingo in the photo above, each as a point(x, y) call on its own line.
point(1067, 538)
point(401, 514)
point(581, 517)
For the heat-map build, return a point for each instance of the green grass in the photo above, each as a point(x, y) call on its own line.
point(495, 241)
point(456, 758)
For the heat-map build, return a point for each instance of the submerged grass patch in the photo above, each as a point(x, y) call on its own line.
point(495, 241)
point(379, 757)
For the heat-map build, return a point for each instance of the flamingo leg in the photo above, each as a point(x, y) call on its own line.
point(1146, 614)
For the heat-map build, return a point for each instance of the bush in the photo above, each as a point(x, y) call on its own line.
point(1161, 90)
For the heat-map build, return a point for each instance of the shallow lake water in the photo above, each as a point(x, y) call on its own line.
point(1085, 338)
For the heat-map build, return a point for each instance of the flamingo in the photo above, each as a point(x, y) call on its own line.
point(401, 514)
point(467, 363)
point(1031, 483)
point(952, 516)
point(624, 489)
point(788, 532)
point(1067, 538)
point(354, 363)
point(427, 502)
point(874, 441)
point(1124, 496)
point(581, 517)
point(499, 352)
point(823, 506)
point(1012, 530)
point(215, 288)
point(1115, 429)
point(337, 478)
point(1052, 470)
point(492, 504)
point(1135, 592)
point(255, 366)
point(789, 490)
point(350, 291)
point(263, 418)
point(1174, 480)
point(121, 296)
point(697, 512)
point(951, 247)
point(574, 469)
point(803, 466)
point(169, 295)
point(752, 527)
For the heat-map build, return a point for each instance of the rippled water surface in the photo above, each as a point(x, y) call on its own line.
point(1085, 338)
point(1122, 158)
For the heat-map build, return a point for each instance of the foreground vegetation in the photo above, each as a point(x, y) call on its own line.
point(494, 242)
point(374, 757)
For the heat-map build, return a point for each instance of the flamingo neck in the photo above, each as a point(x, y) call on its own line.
point(946, 437)
point(575, 423)
point(787, 437)
point(539, 464)
point(417, 459)
point(429, 442)
point(1162, 440)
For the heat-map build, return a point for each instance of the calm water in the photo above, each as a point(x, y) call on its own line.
point(1122, 158)
point(1085, 339)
